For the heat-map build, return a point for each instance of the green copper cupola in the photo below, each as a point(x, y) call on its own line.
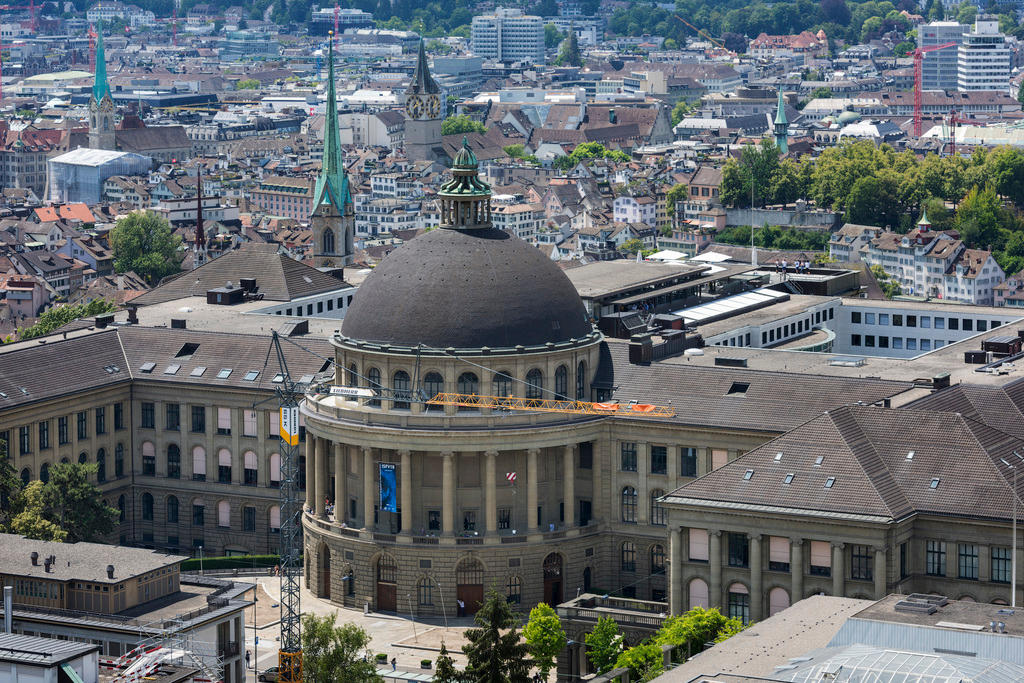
point(781, 125)
point(465, 199)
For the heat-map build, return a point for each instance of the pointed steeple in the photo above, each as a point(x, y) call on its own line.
point(100, 87)
point(332, 183)
point(781, 126)
point(422, 82)
point(780, 111)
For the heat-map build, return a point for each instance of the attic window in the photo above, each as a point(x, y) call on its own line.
point(198, 371)
point(187, 350)
point(23, 390)
point(738, 388)
point(251, 375)
point(934, 484)
point(820, 459)
point(278, 378)
point(305, 379)
point(910, 455)
point(224, 373)
point(307, 279)
point(3, 394)
point(788, 479)
point(172, 369)
point(778, 457)
point(829, 482)
point(147, 367)
point(748, 474)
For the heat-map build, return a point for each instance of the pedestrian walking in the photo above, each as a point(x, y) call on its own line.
point(394, 664)
point(248, 659)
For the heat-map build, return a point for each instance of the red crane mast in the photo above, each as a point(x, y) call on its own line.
point(918, 60)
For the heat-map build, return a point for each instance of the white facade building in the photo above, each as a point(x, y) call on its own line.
point(516, 216)
point(983, 59)
point(508, 35)
point(635, 210)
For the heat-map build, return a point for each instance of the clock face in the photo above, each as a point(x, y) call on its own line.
point(414, 105)
point(433, 107)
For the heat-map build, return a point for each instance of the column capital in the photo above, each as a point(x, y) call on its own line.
point(839, 546)
point(796, 541)
point(879, 548)
point(404, 452)
point(367, 450)
point(754, 537)
point(533, 451)
point(491, 453)
point(714, 532)
point(447, 454)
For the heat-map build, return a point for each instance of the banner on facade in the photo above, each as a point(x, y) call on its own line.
point(388, 487)
point(290, 425)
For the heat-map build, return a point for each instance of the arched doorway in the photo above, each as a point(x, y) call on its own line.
point(325, 571)
point(469, 585)
point(553, 579)
point(387, 584)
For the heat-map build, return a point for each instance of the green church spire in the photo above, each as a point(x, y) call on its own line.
point(100, 87)
point(332, 183)
point(781, 126)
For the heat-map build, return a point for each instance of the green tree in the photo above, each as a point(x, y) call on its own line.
point(10, 489)
point(515, 151)
point(873, 200)
point(757, 164)
point(645, 662)
point(604, 644)
point(334, 654)
point(247, 84)
point(71, 501)
point(821, 93)
point(496, 652)
point(966, 12)
point(680, 111)
point(444, 668)
point(570, 54)
point(979, 218)
point(903, 48)
point(1006, 171)
point(31, 521)
point(61, 315)
point(143, 242)
point(545, 637)
point(674, 196)
point(691, 631)
point(1020, 92)
point(631, 246)
point(552, 36)
point(461, 124)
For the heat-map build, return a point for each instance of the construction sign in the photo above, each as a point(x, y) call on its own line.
point(290, 425)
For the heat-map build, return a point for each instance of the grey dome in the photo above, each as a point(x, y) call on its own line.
point(466, 289)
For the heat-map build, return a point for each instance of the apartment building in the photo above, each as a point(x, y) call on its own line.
point(285, 196)
point(939, 68)
point(983, 58)
point(508, 35)
point(516, 216)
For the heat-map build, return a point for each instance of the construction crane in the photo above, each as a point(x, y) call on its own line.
point(31, 7)
point(919, 54)
point(703, 33)
point(550, 405)
point(954, 118)
point(92, 49)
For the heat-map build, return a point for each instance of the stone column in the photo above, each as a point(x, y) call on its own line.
point(715, 565)
point(881, 584)
point(531, 488)
point(367, 488)
point(569, 485)
point(796, 566)
point(756, 590)
point(406, 465)
point(321, 477)
point(447, 492)
point(703, 460)
point(340, 483)
point(675, 571)
point(310, 471)
point(984, 562)
point(838, 569)
point(491, 491)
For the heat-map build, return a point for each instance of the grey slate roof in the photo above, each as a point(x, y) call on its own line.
point(79, 561)
point(37, 651)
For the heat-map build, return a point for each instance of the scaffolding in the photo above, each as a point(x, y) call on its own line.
point(551, 405)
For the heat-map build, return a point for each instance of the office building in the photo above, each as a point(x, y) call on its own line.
point(508, 35)
point(983, 58)
point(939, 68)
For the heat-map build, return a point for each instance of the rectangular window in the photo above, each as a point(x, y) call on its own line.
point(199, 419)
point(248, 423)
point(897, 342)
point(869, 340)
point(659, 460)
point(940, 323)
point(968, 325)
point(982, 325)
point(198, 515)
point(224, 421)
point(62, 431)
point(821, 558)
point(954, 323)
point(855, 340)
point(44, 435)
point(173, 415)
point(587, 455)
point(504, 518)
point(148, 415)
point(248, 518)
point(739, 606)
point(778, 553)
point(911, 344)
point(883, 342)
point(897, 320)
point(968, 561)
point(904, 572)
point(719, 458)
point(935, 558)
point(926, 344)
point(883, 318)
point(629, 457)
point(869, 318)
point(926, 321)
point(24, 440)
point(861, 563)
point(855, 317)
point(1001, 565)
point(101, 420)
point(687, 462)
point(911, 321)
point(83, 425)
point(739, 550)
point(118, 417)
point(699, 545)
point(275, 425)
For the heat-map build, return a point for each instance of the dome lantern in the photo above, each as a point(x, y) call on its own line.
point(465, 199)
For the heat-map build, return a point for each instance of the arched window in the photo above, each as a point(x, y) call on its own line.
point(698, 593)
point(173, 462)
point(147, 507)
point(433, 384)
point(148, 459)
point(275, 470)
point(581, 381)
point(44, 472)
point(224, 514)
point(502, 384)
point(250, 470)
point(328, 241)
point(373, 377)
point(119, 460)
point(468, 383)
point(778, 600)
point(387, 569)
point(739, 602)
point(534, 384)
point(562, 381)
point(658, 511)
point(26, 476)
point(403, 393)
point(82, 458)
point(469, 572)
point(101, 465)
point(172, 509)
point(425, 591)
point(353, 376)
point(629, 504)
point(514, 590)
point(275, 519)
point(224, 466)
point(628, 557)
point(64, 461)
point(120, 508)
point(657, 559)
point(199, 463)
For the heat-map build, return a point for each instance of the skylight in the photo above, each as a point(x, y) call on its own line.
point(778, 457)
point(187, 350)
point(198, 371)
point(224, 373)
point(789, 478)
point(278, 378)
point(172, 369)
point(251, 375)
point(738, 389)
point(820, 459)
point(910, 455)
point(147, 367)
point(748, 474)
point(829, 482)
point(934, 484)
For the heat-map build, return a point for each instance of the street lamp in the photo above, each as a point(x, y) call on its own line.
point(200, 559)
point(444, 612)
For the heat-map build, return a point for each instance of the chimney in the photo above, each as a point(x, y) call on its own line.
point(133, 315)
point(46, 565)
point(120, 283)
point(110, 571)
point(35, 558)
point(8, 609)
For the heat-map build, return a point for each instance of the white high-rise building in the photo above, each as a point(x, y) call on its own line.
point(983, 59)
point(508, 35)
point(939, 68)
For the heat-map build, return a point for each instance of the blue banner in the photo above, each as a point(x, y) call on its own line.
point(388, 488)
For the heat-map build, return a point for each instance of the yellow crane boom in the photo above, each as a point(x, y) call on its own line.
point(551, 405)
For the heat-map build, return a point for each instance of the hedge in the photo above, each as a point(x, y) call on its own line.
point(231, 562)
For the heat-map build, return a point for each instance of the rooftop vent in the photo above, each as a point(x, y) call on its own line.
point(35, 558)
point(728, 362)
point(103, 320)
point(178, 324)
point(110, 571)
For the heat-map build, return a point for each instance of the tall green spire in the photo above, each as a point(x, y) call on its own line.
point(781, 125)
point(100, 87)
point(332, 183)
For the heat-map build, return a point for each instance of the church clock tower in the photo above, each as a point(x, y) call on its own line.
point(101, 104)
point(333, 217)
point(423, 111)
